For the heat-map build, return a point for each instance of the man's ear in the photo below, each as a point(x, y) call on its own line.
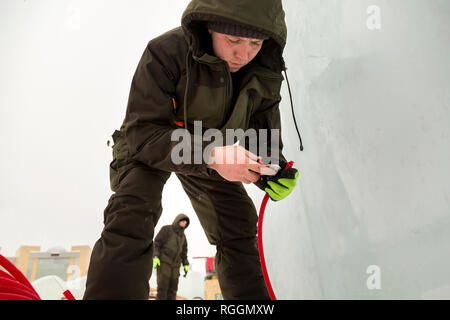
point(210, 31)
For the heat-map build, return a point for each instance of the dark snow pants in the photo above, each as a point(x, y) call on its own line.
point(167, 281)
point(121, 260)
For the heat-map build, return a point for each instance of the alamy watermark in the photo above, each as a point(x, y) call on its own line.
point(373, 282)
point(374, 19)
point(196, 148)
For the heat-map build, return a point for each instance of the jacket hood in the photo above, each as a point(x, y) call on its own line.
point(178, 218)
point(266, 16)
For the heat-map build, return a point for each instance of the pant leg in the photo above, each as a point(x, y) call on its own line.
point(121, 260)
point(229, 218)
point(167, 280)
point(173, 286)
point(163, 274)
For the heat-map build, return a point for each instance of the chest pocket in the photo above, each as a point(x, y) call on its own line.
point(208, 96)
point(258, 86)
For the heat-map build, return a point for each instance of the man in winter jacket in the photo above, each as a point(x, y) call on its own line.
point(221, 67)
point(170, 252)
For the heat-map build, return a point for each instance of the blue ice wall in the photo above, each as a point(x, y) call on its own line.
point(371, 216)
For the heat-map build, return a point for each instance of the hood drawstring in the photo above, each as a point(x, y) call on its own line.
point(292, 109)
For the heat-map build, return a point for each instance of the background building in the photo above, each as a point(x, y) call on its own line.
point(67, 265)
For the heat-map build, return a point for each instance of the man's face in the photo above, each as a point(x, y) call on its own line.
point(182, 223)
point(236, 51)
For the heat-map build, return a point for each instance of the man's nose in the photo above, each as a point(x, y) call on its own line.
point(242, 53)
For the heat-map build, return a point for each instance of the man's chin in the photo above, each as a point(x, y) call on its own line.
point(234, 68)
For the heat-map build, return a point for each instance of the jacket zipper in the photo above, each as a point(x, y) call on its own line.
point(228, 92)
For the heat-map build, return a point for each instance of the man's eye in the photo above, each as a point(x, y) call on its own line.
point(233, 41)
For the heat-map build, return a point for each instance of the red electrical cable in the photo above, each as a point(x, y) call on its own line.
point(260, 241)
point(12, 286)
point(261, 250)
point(15, 286)
point(5, 275)
point(68, 295)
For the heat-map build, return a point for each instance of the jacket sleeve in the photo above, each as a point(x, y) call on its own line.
point(159, 241)
point(184, 259)
point(268, 117)
point(149, 120)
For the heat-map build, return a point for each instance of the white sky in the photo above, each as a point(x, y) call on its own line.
point(66, 69)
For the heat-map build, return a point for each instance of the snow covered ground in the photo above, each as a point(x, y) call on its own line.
point(52, 287)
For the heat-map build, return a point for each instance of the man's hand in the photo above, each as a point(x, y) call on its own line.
point(235, 163)
point(156, 262)
point(281, 185)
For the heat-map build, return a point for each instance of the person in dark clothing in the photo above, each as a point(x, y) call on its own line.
point(170, 252)
point(222, 67)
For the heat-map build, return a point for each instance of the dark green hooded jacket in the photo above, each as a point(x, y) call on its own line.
point(179, 80)
point(170, 244)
